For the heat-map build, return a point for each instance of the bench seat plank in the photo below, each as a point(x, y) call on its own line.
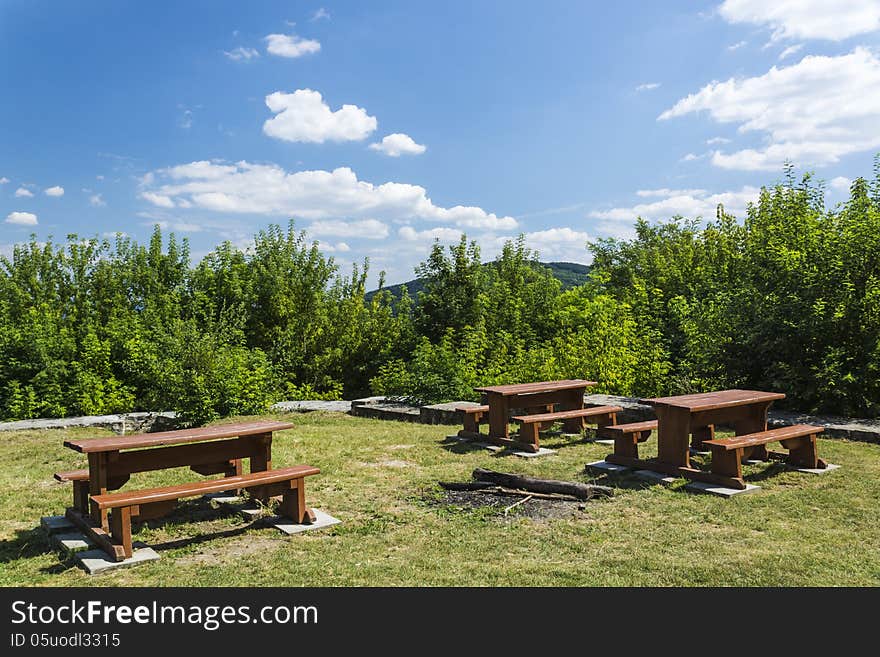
point(764, 437)
point(566, 415)
point(472, 409)
point(632, 427)
point(72, 475)
point(150, 495)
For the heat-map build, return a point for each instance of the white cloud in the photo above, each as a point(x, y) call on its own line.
point(370, 229)
point(313, 195)
point(737, 45)
point(3, 180)
point(665, 192)
point(441, 233)
point(557, 244)
point(114, 233)
point(21, 192)
point(717, 140)
point(241, 53)
point(21, 218)
point(397, 144)
point(303, 116)
point(157, 199)
point(687, 203)
point(690, 157)
point(648, 86)
point(841, 183)
point(791, 50)
point(813, 112)
point(319, 14)
point(291, 45)
point(97, 201)
point(57, 190)
point(339, 247)
point(806, 19)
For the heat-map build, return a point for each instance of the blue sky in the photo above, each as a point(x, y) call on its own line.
point(382, 126)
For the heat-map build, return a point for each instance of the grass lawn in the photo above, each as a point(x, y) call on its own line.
point(380, 479)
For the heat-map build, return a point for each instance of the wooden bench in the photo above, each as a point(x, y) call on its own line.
point(472, 416)
point(531, 424)
point(628, 436)
point(156, 502)
point(799, 439)
point(80, 480)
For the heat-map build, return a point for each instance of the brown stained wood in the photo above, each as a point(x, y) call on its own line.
point(153, 510)
point(97, 534)
point(81, 495)
point(472, 410)
point(120, 529)
point(632, 427)
point(540, 386)
point(98, 485)
point(293, 504)
point(701, 434)
point(708, 401)
point(573, 413)
point(498, 414)
point(727, 464)
point(528, 433)
point(764, 437)
point(182, 436)
point(196, 454)
point(513, 444)
point(532, 484)
point(148, 496)
point(673, 430)
point(72, 475)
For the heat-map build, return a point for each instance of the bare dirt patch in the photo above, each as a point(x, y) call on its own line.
point(534, 508)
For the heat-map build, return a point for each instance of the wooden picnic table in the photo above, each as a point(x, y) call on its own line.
point(206, 450)
point(568, 394)
point(681, 416)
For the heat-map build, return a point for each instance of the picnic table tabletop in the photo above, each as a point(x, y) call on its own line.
point(710, 401)
point(538, 387)
point(178, 437)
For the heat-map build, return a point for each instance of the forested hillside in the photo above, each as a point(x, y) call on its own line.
point(786, 298)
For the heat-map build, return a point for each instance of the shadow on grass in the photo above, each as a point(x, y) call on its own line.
point(26, 544)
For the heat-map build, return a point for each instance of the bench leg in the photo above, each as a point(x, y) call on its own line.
point(626, 445)
point(727, 463)
point(120, 529)
point(471, 425)
point(293, 504)
point(803, 452)
point(528, 433)
point(547, 409)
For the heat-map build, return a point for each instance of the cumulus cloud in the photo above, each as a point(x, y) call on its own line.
point(23, 192)
point(714, 141)
point(559, 244)
point(806, 19)
point(21, 218)
point(319, 14)
point(158, 200)
point(371, 229)
point(647, 86)
point(3, 180)
point(737, 45)
point(57, 190)
point(97, 201)
point(813, 112)
point(665, 192)
point(291, 45)
point(397, 144)
point(303, 116)
point(841, 183)
point(688, 203)
point(268, 189)
point(441, 233)
point(242, 54)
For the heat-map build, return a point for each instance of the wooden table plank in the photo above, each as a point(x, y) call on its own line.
point(182, 436)
point(540, 386)
point(710, 401)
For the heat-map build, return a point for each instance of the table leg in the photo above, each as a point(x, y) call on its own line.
point(573, 400)
point(673, 431)
point(498, 416)
point(261, 457)
point(753, 420)
point(699, 434)
point(98, 486)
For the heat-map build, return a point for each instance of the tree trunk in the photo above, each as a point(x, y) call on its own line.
point(573, 488)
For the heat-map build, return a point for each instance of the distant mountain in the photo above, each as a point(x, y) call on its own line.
point(570, 274)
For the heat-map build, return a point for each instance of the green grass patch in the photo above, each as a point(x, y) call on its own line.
point(380, 479)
